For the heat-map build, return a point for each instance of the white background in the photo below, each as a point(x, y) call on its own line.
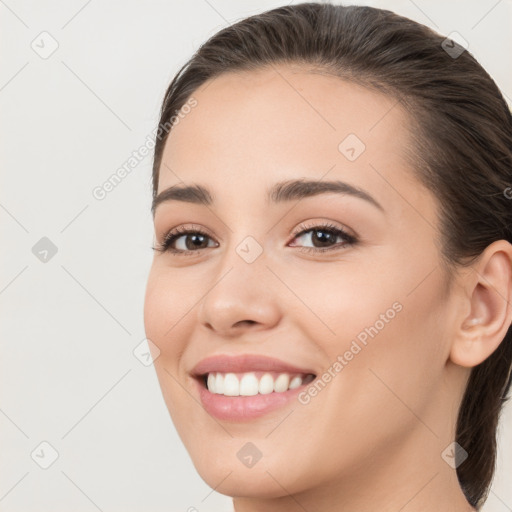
point(69, 326)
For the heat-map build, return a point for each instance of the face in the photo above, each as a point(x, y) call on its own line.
point(339, 282)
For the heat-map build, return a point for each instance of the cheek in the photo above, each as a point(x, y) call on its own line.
point(165, 309)
point(325, 290)
point(165, 314)
point(340, 303)
point(389, 370)
point(164, 306)
point(155, 307)
point(403, 349)
point(390, 332)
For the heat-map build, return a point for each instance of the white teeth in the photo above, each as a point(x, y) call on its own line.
point(249, 385)
point(229, 384)
point(295, 382)
point(219, 384)
point(211, 382)
point(266, 384)
point(281, 383)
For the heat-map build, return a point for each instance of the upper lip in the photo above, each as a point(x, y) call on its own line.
point(242, 363)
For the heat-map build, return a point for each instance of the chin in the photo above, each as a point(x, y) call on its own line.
point(244, 482)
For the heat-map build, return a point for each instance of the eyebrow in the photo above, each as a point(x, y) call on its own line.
point(280, 192)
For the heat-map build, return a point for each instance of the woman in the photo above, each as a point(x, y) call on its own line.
point(332, 282)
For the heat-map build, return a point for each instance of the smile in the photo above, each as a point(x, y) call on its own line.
point(244, 387)
point(254, 383)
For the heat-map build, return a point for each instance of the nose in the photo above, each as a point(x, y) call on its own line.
point(241, 296)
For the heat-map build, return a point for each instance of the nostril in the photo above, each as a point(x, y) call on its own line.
point(242, 322)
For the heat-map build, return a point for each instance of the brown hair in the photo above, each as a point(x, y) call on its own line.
point(462, 131)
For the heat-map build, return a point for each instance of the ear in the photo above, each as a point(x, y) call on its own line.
point(489, 301)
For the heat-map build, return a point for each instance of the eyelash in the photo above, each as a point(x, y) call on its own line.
point(177, 233)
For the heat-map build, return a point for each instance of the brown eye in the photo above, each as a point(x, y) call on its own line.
point(190, 241)
point(185, 241)
point(324, 238)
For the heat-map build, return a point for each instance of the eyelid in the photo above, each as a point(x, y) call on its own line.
point(326, 224)
point(186, 228)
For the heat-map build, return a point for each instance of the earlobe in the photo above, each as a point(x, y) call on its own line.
point(490, 303)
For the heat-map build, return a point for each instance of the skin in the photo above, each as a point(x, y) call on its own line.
point(372, 439)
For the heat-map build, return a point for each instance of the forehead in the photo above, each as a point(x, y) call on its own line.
point(286, 121)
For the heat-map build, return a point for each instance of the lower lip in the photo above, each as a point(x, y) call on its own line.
point(244, 408)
